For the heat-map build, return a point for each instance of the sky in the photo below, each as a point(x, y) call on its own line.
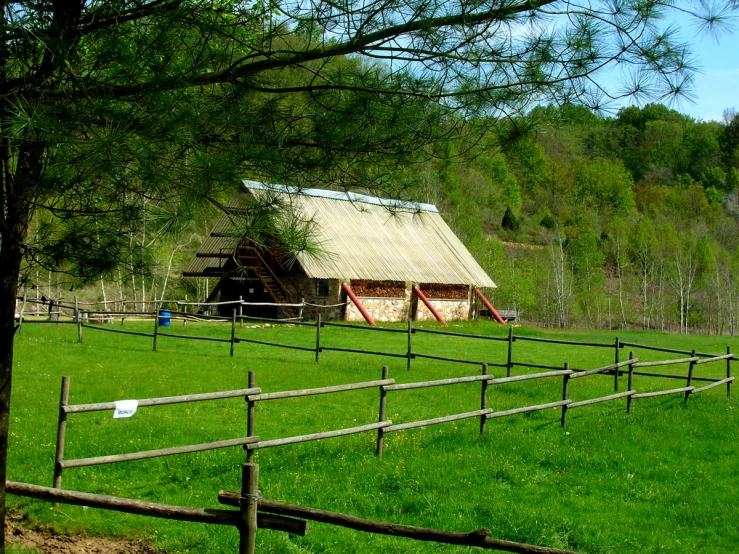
point(717, 81)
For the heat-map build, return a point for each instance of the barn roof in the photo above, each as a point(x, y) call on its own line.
point(363, 238)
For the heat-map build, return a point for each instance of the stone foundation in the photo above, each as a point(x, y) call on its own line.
point(450, 310)
point(381, 309)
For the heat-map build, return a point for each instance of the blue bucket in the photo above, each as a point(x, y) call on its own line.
point(164, 318)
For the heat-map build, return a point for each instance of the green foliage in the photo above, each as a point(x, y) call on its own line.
point(605, 185)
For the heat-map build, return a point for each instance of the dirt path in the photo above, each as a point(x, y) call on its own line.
point(38, 539)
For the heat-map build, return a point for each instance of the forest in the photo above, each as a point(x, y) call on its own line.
point(629, 221)
point(609, 222)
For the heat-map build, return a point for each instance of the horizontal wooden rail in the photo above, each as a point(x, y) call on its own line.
point(531, 376)
point(541, 366)
point(557, 341)
point(284, 321)
point(529, 409)
point(319, 436)
point(715, 359)
point(603, 369)
point(667, 362)
point(672, 376)
point(145, 402)
point(146, 454)
point(110, 330)
point(193, 337)
point(663, 392)
point(477, 538)
point(439, 383)
point(712, 385)
point(601, 399)
point(462, 335)
point(371, 352)
point(151, 509)
point(279, 345)
point(454, 360)
point(348, 326)
point(437, 420)
point(661, 349)
point(37, 321)
point(316, 391)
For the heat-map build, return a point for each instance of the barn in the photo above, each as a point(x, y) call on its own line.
point(378, 259)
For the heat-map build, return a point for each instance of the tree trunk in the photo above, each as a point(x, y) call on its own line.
point(14, 231)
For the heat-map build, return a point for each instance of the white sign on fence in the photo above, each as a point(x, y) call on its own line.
point(125, 408)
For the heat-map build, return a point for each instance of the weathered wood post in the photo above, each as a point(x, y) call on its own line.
point(318, 337)
point(728, 372)
point(241, 311)
point(123, 309)
point(509, 364)
point(22, 313)
point(690, 376)
point(156, 325)
point(409, 353)
point(630, 381)
point(381, 417)
point(483, 399)
point(61, 431)
point(615, 361)
point(78, 319)
point(250, 405)
point(565, 387)
point(233, 331)
point(249, 498)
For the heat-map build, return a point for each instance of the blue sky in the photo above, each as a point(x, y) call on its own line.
point(717, 81)
point(717, 84)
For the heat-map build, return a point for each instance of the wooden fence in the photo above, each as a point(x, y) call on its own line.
point(255, 512)
point(254, 395)
point(408, 354)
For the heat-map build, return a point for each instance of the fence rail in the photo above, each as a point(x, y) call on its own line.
point(409, 354)
point(253, 394)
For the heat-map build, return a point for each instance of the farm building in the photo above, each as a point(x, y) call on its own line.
point(378, 259)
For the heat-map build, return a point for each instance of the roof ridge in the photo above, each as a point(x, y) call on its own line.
point(345, 196)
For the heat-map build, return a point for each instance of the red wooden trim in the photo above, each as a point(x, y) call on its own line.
point(489, 306)
point(425, 300)
point(350, 293)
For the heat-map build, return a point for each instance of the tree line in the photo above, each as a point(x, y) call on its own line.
point(629, 221)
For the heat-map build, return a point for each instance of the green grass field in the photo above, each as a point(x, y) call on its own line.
point(662, 479)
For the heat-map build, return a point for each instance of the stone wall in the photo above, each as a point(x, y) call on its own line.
point(450, 310)
point(381, 309)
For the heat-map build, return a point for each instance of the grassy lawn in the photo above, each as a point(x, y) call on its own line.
point(662, 479)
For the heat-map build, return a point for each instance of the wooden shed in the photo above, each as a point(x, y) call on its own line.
point(378, 257)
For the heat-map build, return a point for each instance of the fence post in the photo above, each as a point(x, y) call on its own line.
point(61, 432)
point(615, 361)
point(250, 405)
point(22, 313)
point(509, 364)
point(728, 372)
point(123, 309)
point(78, 319)
point(318, 337)
point(690, 376)
point(241, 311)
point(156, 325)
point(249, 496)
point(630, 381)
point(410, 345)
point(233, 331)
point(381, 417)
point(483, 399)
point(565, 387)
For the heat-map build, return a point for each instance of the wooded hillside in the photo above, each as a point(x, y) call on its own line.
point(605, 222)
